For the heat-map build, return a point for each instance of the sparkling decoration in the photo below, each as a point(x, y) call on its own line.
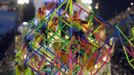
point(63, 43)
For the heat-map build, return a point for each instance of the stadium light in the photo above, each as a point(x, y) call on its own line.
point(21, 2)
point(87, 1)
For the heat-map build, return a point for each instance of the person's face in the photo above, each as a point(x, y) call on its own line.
point(41, 11)
point(75, 15)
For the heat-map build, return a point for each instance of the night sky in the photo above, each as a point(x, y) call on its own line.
point(111, 8)
point(28, 12)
